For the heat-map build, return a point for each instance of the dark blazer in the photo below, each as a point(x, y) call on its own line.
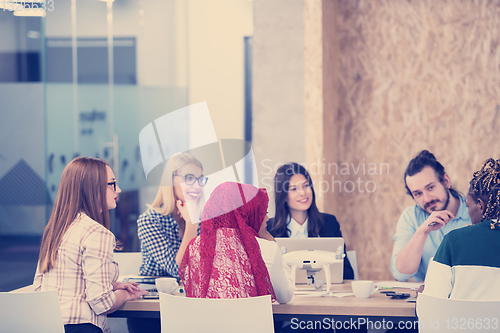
point(331, 228)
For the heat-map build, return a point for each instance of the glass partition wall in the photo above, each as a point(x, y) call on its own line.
point(82, 81)
point(112, 68)
point(23, 195)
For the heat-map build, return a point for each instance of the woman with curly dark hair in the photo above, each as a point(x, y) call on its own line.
point(466, 264)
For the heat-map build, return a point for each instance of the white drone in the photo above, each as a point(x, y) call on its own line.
point(313, 261)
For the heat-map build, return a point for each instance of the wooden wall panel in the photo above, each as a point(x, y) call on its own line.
point(413, 75)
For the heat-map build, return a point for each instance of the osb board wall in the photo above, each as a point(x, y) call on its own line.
point(413, 75)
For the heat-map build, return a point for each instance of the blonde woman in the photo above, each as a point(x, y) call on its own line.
point(161, 228)
point(76, 253)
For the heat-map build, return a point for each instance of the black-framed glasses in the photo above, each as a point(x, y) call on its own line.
point(114, 185)
point(190, 179)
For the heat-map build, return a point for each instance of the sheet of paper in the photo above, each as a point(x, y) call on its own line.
point(340, 295)
point(309, 293)
point(130, 276)
point(321, 294)
point(397, 284)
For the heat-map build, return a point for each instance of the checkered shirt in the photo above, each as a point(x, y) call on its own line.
point(160, 242)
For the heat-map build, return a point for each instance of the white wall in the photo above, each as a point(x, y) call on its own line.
point(216, 60)
point(278, 87)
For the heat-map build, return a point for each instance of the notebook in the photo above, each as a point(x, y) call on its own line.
point(315, 243)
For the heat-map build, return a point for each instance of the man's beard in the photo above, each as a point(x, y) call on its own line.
point(426, 207)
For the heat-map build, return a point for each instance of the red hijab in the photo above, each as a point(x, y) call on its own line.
point(225, 260)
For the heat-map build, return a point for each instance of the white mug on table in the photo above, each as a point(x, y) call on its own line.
point(363, 289)
point(166, 285)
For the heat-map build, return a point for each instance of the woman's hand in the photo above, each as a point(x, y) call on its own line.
point(189, 232)
point(136, 293)
point(124, 295)
point(129, 286)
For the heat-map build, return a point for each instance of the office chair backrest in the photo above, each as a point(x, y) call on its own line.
point(437, 314)
point(187, 315)
point(30, 312)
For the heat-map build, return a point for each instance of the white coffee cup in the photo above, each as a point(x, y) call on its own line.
point(363, 289)
point(166, 285)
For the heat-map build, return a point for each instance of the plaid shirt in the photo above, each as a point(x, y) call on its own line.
point(160, 242)
point(83, 274)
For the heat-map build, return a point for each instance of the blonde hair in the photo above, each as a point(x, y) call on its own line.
point(164, 202)
point(82, 189)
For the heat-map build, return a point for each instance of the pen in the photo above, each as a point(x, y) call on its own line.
point(384, 288)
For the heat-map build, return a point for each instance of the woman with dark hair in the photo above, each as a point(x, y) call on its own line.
point(76, 253)
point(466, 264)
point(297, 215)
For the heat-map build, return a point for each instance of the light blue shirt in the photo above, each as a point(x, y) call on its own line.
point(412, 218)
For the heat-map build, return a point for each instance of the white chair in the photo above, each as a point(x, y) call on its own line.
point(437, 314)
point(244, 315)
point(351, 255)
point(129, 263)
point(30, 312)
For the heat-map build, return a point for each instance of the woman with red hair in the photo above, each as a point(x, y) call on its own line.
point(76, 253)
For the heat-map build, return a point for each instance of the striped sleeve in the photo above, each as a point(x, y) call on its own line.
point(99, 269)
point(37, 280)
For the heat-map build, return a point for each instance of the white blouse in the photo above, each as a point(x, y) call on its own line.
point(295, 230)
point(279, 272)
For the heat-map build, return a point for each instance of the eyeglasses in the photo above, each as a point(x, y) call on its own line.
point(114, 185)
point(191, 179)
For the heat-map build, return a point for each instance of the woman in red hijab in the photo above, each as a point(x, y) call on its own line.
point(234, 256)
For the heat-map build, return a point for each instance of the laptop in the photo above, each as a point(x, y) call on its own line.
point(147, 283)
point(330, 244)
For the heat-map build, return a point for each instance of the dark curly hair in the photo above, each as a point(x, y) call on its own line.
point(485, 185)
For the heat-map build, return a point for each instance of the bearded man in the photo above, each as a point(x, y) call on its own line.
point(438, 210)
